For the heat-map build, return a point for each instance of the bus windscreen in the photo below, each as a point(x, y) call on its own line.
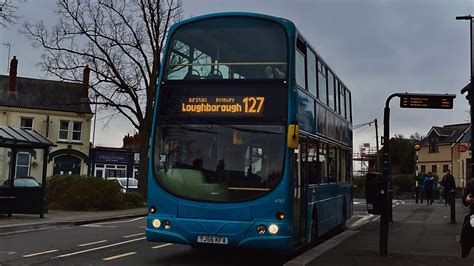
point(219, 162)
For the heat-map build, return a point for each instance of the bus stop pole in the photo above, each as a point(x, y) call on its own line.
point(43, 182)
point(384, 216)
point(383, 245)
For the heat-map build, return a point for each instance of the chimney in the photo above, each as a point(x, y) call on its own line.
point(85, 83)
point(13, 68)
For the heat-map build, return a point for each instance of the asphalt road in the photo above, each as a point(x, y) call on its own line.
point(123, 243)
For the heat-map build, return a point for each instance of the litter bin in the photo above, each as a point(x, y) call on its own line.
point(376, 192)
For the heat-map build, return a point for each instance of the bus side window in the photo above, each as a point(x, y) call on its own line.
point(313, 163)
point(322, 159)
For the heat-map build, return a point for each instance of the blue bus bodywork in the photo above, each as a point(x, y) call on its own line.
point(238, 221)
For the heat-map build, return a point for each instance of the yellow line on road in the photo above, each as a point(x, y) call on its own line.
point(40, 253)
point(91, 243)
point(162, 246)
point(139, 234)
point(120, 256)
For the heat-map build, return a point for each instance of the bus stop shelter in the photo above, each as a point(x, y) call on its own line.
point(23, 200)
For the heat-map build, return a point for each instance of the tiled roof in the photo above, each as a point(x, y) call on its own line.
point(44, 94)
point(447, 134)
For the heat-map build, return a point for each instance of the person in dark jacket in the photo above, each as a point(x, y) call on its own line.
point(448, 184)
point(467, 232)
point(428, 183)
point(468, 196)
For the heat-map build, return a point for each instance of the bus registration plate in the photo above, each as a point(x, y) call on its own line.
point(213, 240)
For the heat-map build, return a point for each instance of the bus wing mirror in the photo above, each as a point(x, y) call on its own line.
point(293, 136)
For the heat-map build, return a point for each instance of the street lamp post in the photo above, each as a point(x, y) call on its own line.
point(469, 88)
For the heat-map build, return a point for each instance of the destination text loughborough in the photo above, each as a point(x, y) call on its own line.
point(230, 105)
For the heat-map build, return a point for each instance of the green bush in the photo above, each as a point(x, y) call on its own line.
point(404, 183)
point(133, 200)
point(84, 193)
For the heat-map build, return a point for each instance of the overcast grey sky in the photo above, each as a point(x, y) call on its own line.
point(377, 47)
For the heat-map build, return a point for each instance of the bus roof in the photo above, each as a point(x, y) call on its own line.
point(287, 24)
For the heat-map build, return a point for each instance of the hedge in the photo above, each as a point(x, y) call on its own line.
point(89, 193)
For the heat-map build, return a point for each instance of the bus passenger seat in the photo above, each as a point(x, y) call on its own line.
point(278, 73)
point(191, 76)
point(214, 74)
point(269, 72)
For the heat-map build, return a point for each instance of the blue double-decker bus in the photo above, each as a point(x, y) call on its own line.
point(252, 137)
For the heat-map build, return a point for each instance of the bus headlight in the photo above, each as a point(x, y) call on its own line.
point(152, 209)
point(156, 223)
point(273, 229)
point(166, 224)
point(261, 229)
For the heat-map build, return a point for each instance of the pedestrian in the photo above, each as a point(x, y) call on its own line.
point(467, 232)
point(448, 184)
point(428, 184)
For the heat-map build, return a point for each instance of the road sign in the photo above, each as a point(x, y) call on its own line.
point(463, 148)
point(431, 101)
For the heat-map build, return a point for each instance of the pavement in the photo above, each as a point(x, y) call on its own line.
point(21, 223)
point(419, 235)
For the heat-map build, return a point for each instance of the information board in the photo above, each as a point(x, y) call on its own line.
point(430, 101)
point(248, 105)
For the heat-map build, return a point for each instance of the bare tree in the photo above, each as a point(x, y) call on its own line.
point(121, 41)
point(7, 13)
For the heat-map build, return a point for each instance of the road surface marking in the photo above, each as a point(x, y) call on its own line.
point(119, 222)
point(40, 253)
point(98, 226)
point(102, 247)
point(92, 243)
point(139, 234)
point(162, 246)
point(361, 222)
point(120, 256)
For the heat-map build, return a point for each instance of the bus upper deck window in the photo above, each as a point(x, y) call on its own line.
point(214, 49)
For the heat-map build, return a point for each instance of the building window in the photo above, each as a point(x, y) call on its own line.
point(26, 123)
point(423, 169)
point(433, 145)
point(23, 162)
point(445, 168)
point(77, 131)
point(63, 130)
point(110, 170)
point(434, 168)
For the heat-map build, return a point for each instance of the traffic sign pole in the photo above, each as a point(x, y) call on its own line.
point(408, 100)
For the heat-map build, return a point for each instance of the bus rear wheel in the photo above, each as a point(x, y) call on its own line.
point(343, 225)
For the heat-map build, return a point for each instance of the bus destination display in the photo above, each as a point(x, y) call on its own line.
point(222, 105)
point(432, 101)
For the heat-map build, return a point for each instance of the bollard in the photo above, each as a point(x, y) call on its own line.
point(390, 208)
point(452, 203)
point(417, 194)
point(421, 194)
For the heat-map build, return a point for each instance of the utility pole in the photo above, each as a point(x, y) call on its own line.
point(469, 90)
point(377, 162)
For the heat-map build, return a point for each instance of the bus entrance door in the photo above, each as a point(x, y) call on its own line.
point(299, 193)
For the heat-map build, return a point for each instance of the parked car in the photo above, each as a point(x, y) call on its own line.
point(24, 181)
point(122, 181)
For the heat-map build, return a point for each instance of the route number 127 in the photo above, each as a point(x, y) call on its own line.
point(253, 104)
